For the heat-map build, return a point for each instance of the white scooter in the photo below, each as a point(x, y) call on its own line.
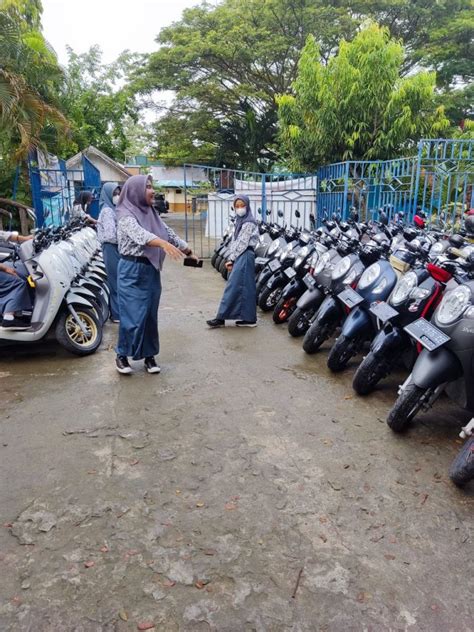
point(60, 303)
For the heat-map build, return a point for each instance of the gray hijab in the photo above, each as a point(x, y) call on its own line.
point(132, 203)
point(106, 195)
point(247, 218)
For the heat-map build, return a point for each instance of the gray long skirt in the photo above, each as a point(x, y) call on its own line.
point(240, 295)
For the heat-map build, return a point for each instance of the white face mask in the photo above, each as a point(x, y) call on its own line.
point(115, 199)
point(240, 211)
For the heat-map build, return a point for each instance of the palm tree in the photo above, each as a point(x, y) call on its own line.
point(29, 80)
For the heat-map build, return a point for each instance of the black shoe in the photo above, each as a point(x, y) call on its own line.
point(151, 366)
point(15, 324)
point(122, 365)
point(215, 322)
point(245, 323)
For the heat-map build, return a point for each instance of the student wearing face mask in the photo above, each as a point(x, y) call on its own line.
point(107, 235)
point(240, 295)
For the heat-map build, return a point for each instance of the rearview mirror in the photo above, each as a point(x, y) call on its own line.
point(297, 214)
point(281, 214)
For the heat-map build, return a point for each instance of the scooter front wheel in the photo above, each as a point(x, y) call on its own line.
point(70, 335)
point(462, 468)
point(269, 298)
point(342, 351)
point(299, 321)
point(283, 310)
point(316, 335)
point(369, 373)
point(406, 407)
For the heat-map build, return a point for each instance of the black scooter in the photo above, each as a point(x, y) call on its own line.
point(446, 362)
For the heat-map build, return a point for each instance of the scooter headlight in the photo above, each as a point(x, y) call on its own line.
point(369, 275)
point(453, 305)
point(378, 289)
point(341, 268)
point(403, 288)
point(302, 254)
point(322, 262)
point(351, 277)
point(436, 249)
point(273, 247)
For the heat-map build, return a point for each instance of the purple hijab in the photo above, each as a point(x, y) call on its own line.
point(132, 203)
point(248, 217)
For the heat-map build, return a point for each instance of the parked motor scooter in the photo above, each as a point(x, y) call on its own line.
point(56, 304)
point(446, 362)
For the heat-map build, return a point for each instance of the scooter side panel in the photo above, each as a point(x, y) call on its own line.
point(291, 289)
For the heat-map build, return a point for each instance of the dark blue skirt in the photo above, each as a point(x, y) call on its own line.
point(240, 296)
point(139, 291)
point(111, 260)
point(14, 293)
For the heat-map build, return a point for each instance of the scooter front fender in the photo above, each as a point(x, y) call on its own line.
point(385, 342)
point(358, 323)
point(329, 312)
point(433, 368)
point(292, 289)
point(310, 298)
point(74, 299)
point(276, 280)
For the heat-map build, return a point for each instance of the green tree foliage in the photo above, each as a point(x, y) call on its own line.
point(226, 64)
point(100, 107)
point(230, 61)
point(357, 106)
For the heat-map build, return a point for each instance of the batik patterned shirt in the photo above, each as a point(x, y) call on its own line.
point(247, 238)
point(132, 238)
point(107, 226)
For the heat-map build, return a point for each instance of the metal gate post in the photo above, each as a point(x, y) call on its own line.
point(185, 206)
point(414, 195)
point(264, 198)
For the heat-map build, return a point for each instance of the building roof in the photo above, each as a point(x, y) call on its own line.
point(100, 154)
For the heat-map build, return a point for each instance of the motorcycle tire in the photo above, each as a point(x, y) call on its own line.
point(369, 373)
point(70, 336)
point(462, 468)
point(214, 259)
point(222, 268)
point(405, 408)
point(316, 335)
point(341, 352)
point(283, 310)
point(268, 298)
point(298, 322)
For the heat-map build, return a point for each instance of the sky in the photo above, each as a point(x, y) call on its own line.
point(115, 25)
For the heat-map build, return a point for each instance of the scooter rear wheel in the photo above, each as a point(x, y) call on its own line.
point(406, 407)
point(462, 468)
point(70, 335)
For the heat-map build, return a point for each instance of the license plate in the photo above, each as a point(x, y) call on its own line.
point(290, 273)
point(261, 261)
point(274, 265)
point(309, 281)
point(350, 298)
point(429, 336)
point(383, 311)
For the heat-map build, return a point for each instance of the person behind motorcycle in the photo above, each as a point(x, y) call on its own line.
point(14, 292)
point(81, 207)
point(161, 205)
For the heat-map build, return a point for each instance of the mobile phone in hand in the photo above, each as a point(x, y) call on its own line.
point(192, 263)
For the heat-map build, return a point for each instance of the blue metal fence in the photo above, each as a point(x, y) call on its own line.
point(439, 181)
point(54, 187)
